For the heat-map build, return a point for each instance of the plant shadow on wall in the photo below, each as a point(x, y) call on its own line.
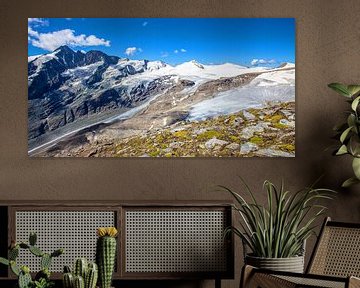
point(276, 232)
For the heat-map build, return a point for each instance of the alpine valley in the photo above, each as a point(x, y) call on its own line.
point(92, 105)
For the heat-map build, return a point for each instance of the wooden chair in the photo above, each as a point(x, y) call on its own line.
point(335, 262)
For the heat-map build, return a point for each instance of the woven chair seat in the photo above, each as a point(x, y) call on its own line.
point(313, 282)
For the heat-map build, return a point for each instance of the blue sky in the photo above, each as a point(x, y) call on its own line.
point(246, 41)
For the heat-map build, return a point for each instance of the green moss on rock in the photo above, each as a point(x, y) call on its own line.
point(207, 135)
point(256, 140)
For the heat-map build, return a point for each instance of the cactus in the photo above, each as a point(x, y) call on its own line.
point(79, 282)
point(36, 251)
point(45, 261)
point(106, 254)
point(42, 278)
point(24, 280)
point(91, 276)
point(32, 239)
point(24, 246)
point(80, 268)
point(68, 280)
point(13, 253)
point(14, 268)
point(87, 272)
point(44, 273)
point(57, 253)
point(4, 261)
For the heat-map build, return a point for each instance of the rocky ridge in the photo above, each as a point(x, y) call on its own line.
point(65, 86)
point(265, 132)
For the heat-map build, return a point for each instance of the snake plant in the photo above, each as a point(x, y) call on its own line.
point(349, 131)
point(279, 228)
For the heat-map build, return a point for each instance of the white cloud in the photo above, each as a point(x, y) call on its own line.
point(164, 54)
point(256, 62)
point(32, 33)
point(182, 50)
point(52, 40)
point(132, 50)
point(38, 22)
point(145, 23)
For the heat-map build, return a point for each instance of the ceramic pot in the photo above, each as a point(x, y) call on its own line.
point(291, 264)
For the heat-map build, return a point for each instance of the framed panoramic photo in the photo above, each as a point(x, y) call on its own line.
point(161, 87)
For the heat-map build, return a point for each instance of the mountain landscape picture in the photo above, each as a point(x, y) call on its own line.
point(161, 87)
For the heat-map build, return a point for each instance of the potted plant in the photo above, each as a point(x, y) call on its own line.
point(42, 278)
point(276, 233)
point(84, 274)
point(106, 254)
point(349, 131)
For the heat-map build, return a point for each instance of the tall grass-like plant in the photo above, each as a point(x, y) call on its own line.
point(280, 229)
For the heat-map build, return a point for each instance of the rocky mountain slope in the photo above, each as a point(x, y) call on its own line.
point(64, 86)
point(81, 100)
point(265, 132)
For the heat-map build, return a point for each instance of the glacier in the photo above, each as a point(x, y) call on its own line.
point(270, 87)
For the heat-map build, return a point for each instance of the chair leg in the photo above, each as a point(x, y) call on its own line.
point(354, 282)
point(246, 274)
point(217, 283)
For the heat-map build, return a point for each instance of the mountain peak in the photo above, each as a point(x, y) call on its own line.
point(197, 64)
point(286, 65)
point(64, 48)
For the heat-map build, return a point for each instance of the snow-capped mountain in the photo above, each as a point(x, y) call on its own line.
point(65, 86)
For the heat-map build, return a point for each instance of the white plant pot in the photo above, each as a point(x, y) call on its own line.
point(291, 264)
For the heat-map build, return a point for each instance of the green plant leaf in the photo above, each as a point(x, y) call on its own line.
point(340, 88)
point(279, 228)
point(4, 261)
point(353, 145)
point(351, 120)
point(349, 182)
point(356, 167)
point(345, 134)
point(342, 150)
point(355, 103)
point(353, 89)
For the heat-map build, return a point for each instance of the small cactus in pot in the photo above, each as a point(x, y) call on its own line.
point(85, 275)
point(106, 254)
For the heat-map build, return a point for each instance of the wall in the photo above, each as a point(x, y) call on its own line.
point(328, 44)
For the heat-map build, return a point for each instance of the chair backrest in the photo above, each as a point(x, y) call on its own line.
point(337, 251)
